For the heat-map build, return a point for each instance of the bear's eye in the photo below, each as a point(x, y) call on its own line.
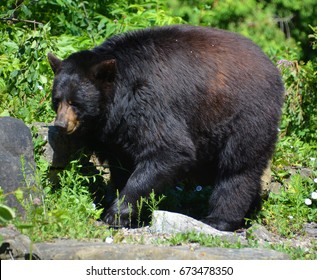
point(72, 103)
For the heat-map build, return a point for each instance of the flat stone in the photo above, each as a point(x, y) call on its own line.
point(17, 246)
point(170, 222)
point(76, 250)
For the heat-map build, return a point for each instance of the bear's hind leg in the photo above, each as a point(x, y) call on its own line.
point(239, 167)
point(233, 197)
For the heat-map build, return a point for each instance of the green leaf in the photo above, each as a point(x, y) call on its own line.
point(19, 194)
point(5, 113)
point(6, 214)
point(43, 79)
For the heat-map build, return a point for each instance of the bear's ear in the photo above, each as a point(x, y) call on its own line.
point(105, 70)
point(54, 62)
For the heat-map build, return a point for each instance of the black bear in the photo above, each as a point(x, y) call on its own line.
point(174, 102)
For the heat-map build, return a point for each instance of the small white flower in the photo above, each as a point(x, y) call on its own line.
point(291, 217)
point(40, 87)
point(308, 201)
point(180, 189)
point(109, 240)
point(93, 206)
point(315, 180)
point(312, 159)
point(314, 195)
point(198, 188)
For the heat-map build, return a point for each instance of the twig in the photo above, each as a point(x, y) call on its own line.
point(20, 20)
point(284, 24)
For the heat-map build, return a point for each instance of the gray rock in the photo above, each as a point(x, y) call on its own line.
point(306, 172)
point(260, 233)
point(17, 166)
point(17, 246)
point(267, 184)
point(302, 171)
point(76, 250)
point(171, 223)
point(60, 148)
point(311, 229)
point(275, 187)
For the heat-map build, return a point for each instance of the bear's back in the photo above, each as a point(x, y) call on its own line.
point(225, 71)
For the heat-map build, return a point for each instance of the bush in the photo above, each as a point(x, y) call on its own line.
point(300, 111)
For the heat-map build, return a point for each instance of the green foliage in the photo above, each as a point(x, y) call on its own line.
point(66, 211)
point(153, 201)
point(249, 18)
point(203, 240)
point(6, 214)
point(286, 212)
point(23, 69)
point(291, 151)
point(95, 19)
point(294, 18)
point(300, 111)
point(254, 18)
point(296, 253)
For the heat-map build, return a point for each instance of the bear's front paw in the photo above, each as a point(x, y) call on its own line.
point(118, 216)
point(221, 224)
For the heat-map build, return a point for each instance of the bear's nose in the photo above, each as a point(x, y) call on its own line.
point(61, 124)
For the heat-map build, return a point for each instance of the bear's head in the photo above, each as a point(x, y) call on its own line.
point(82, 87)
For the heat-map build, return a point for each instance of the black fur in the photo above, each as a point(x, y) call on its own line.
point(168, 103)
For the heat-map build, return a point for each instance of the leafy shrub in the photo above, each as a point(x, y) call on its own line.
point(248, 17)
point(294, 18)
point(23, 77)
point(66, 211)
point(286, 212)
point(300, 111)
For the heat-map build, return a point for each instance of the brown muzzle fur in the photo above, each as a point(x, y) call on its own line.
point(66, 118)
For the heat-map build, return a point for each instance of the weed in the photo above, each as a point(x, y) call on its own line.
point(286, 212)
point(67, 211)
point(118, 214)
point(203, 240)
point(152, 202)
point(139, 211)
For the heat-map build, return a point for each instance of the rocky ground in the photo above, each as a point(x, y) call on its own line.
point(151, 243)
